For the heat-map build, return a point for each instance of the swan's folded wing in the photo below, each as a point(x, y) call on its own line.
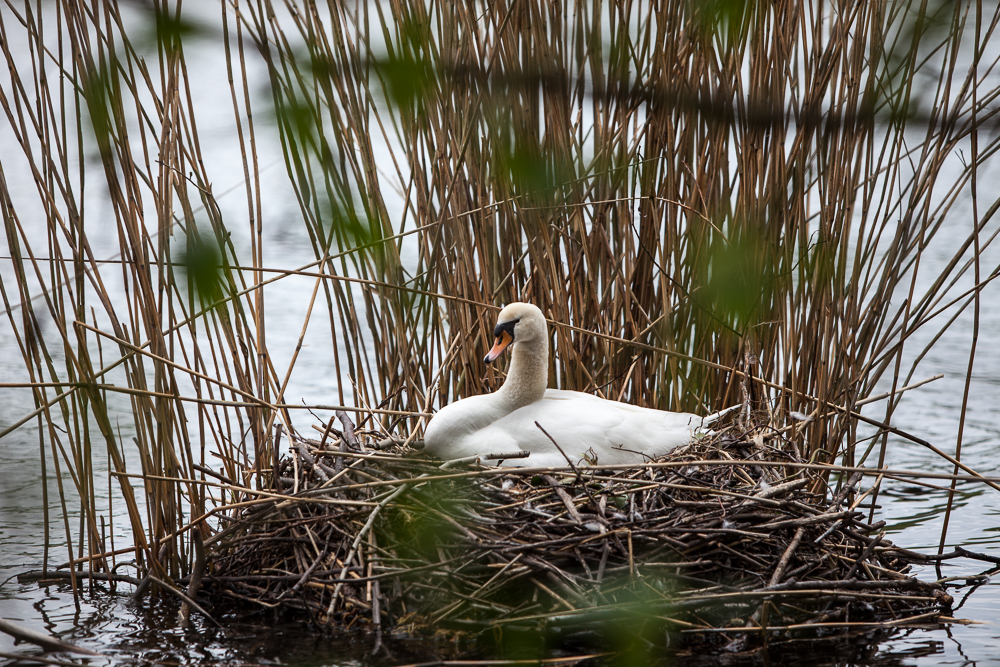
point(592, 429)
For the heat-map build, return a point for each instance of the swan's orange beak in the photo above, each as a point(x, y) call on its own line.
point(503, 340)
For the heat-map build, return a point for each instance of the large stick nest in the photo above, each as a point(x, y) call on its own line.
point(721, 533)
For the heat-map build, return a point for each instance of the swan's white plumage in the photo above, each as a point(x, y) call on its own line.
point(587, 428)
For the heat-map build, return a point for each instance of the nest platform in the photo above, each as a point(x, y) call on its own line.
point(729, 534)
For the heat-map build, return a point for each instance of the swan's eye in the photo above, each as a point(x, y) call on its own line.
point(505, 327)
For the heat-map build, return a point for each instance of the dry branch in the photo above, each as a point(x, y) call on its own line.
point(716, 535)
point(48, 642)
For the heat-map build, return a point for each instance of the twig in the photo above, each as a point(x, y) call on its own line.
point(184, 615)
point(349, 438)
point(47, 642)
point(576, 471)
point(564, 497)
point(43, 575)
point(18, 658)
point(785, 557)
point(864, 555)
point(184, 597)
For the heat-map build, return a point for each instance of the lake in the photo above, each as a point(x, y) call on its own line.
point(129, 633)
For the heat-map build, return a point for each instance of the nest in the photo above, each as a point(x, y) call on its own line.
point(725, 533)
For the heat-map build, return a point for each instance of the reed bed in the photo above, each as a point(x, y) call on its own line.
point(726, 532)
point(713, 202)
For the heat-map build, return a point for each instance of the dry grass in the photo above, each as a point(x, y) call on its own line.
point(714, 202)
point(723, 533)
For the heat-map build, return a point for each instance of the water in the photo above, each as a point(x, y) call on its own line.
point(142, 633)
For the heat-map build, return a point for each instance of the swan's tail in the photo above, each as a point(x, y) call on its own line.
point(715, 416)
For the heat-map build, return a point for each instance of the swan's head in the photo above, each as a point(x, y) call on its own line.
point(517, 323)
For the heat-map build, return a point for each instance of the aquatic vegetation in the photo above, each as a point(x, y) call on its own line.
point(715, 203)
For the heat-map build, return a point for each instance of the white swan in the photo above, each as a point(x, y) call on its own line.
point(588, 429)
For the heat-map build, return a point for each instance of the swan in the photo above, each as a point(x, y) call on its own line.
point(590, 430)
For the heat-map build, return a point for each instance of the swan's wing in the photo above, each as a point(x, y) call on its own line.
point(588, 428)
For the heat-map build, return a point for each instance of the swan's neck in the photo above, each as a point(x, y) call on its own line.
point(528, 375)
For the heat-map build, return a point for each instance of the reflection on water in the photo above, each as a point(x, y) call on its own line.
point(141, 634)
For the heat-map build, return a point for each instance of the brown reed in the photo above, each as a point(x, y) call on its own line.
point(713, 203)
